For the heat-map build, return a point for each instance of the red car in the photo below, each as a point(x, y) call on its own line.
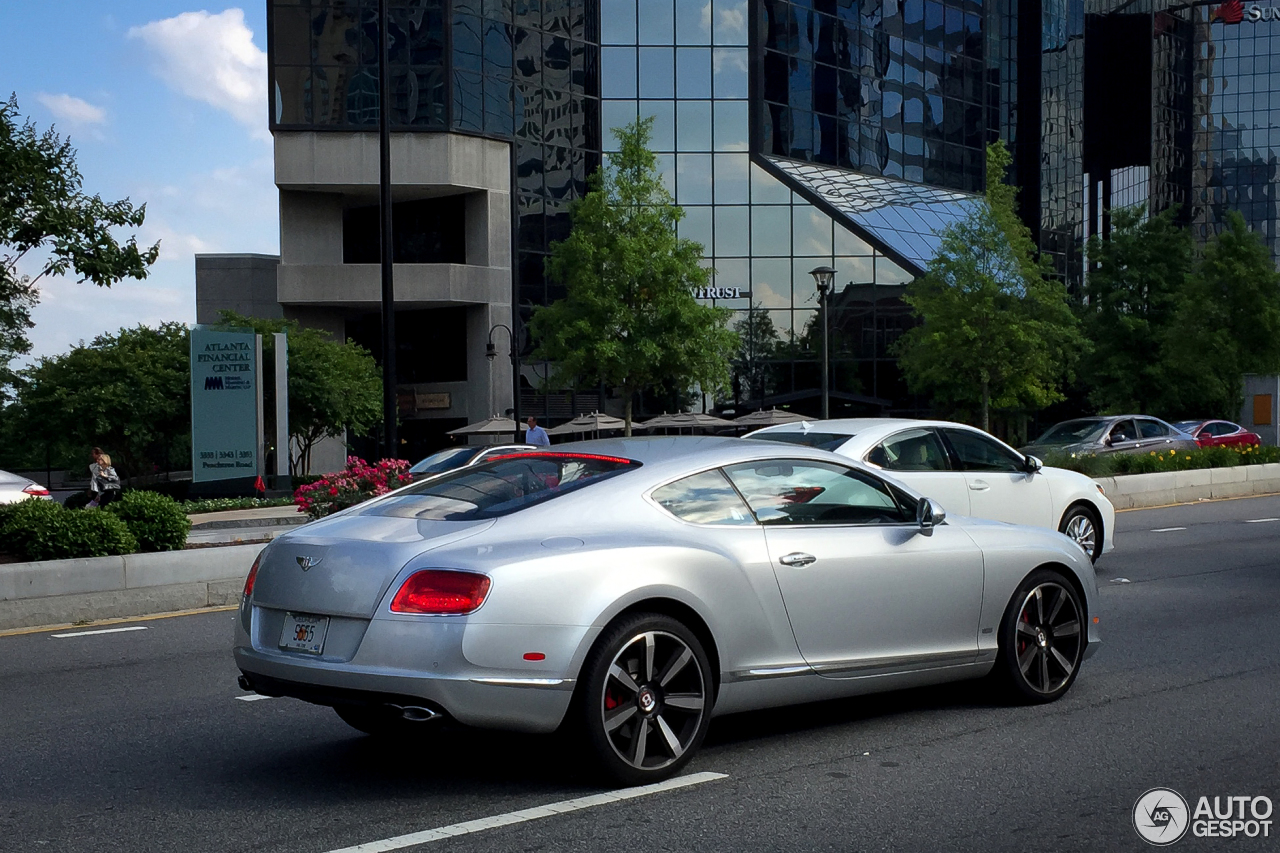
point(1218, 433)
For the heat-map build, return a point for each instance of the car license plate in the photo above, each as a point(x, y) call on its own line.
point(304, 633)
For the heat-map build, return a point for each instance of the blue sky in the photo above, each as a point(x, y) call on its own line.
point(165, 103)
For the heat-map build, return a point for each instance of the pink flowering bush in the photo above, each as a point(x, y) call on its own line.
point(359, 482)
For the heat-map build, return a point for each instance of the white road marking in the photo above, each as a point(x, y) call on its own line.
point(100, 631)
point(1259, 520)
point(1167, 529)
point(1121, 580)
point(253, 697)
point(563, 807)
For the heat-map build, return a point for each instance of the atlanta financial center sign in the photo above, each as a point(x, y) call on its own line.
point(1233, 12)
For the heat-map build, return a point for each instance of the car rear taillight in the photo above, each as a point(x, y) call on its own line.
point(36, 491)
point(441, 593)
point(253, 576)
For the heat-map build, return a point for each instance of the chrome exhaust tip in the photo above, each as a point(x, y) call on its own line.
point(415, 713)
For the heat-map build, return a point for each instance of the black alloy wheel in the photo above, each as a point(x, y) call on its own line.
point(1042, 638)
point(645, 699)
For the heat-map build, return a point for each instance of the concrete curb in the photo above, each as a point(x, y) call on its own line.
point(59, 591)
point(1137, 491)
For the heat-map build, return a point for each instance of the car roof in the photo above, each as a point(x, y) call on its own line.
point(663, 453)
point(858, 426)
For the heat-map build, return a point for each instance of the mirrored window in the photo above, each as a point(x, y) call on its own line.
point(693, 26)
point(618, 72)
point(617, 21)
point(657, 72)
point(732, 126)
point(693, 172)
point(657, 21)
point(693, 125)
point(732, 181)
point(733, 230)
point(693, 72)
point(664, 124)
point(696, 226)
point(771, 231)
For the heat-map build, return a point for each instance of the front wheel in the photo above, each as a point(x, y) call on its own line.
point(1081, 524)
point(1042, 638)
point(646, 698)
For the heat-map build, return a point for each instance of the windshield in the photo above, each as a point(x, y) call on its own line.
point(445, 460)
point(820, 440)
point(1071, 432)
point(498, 487)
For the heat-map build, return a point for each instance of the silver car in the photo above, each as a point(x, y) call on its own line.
point(460, 457)
point(635, 588)
point(1111, 434)
point(14, 488)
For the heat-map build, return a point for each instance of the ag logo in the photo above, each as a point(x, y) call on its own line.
point(1161, 817)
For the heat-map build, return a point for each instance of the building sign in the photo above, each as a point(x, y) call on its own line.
point(224, 405)
point(718, 293)
point(1234, 11)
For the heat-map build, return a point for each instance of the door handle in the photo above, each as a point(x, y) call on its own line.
point(797, 559)
point(978, 485)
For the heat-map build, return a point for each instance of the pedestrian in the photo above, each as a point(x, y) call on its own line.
point(104, 483)
point(537, 436)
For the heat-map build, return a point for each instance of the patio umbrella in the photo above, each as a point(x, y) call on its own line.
point(768, 417)
point(490, 426)
point(685, 420)
point(593, 422)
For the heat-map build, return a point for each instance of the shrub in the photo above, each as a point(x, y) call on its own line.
point(155, 520)
point(45, 530)
point(1155, 461)
point(358, 483)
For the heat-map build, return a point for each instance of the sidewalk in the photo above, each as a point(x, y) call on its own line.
point(243, 526)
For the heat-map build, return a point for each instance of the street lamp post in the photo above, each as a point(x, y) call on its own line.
point(491, 352)
point(824, 277)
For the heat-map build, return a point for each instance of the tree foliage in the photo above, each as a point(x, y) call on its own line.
point(1131, 300)
point(758, 342)
point(996, 331)
point(45, 211)
point(128, 393)
point(335, 387)
point(629, 318)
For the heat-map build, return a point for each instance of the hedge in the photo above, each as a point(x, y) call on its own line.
point(1157, 461)
point(45, 530)
point(155, 520)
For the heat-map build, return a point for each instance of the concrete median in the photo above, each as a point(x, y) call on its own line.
point(62, 591)
point(1136, 491)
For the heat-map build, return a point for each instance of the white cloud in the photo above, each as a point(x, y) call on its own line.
point(71, 109)
point(212, 58)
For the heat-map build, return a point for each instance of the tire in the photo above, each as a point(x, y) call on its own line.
point(1042, 638)
point(645, 699)
point(380, 722)
point(1081, 524)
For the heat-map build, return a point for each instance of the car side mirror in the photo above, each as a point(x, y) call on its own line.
point(1032, 464)
point(1106, 442)
point(929, 514)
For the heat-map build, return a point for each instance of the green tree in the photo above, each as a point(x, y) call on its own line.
point(335, 387)
point(45, 212)
point(1131, 298)
point(1227, 324)
point(753, 368)
point(996, 331)
point(128, 393)
point(629, 318)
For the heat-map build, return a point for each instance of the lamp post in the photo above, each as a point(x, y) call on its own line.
point(824, 277)
point(491, 352)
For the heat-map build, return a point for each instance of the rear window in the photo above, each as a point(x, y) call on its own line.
point(499, 486)
point(820, 440)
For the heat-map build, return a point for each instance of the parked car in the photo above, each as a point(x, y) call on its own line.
point(635, 588)
point(460, 457)
point(1111, 434)
point(14, 488)
point(1211, 433)
point(968, 471)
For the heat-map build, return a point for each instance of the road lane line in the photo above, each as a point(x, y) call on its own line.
point(1259, 520)
point(1167, 529)
point(400, 842)
point(253, 697)
point(100, 631)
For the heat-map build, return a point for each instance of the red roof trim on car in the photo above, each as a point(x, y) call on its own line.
point(551, 454)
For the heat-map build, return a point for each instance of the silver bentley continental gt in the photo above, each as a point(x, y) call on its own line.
point(633, 589)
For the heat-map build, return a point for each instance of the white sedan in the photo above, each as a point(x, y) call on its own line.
point(967, 471)
point(14, 488)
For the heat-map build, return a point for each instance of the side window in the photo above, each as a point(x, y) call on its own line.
point(913, 450)
point(1123, 431)
point(978, 452)
point(705, 498)
point(805, 492)
point(1152, 429)
point(1221, 428)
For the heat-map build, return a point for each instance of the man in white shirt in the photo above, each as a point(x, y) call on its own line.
point(536, 435)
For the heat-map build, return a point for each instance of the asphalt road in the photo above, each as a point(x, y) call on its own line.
point(136, 740)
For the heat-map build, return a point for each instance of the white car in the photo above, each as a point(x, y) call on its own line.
point(967, 471)
point(14, 488)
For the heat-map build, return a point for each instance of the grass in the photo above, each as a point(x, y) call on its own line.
point(1154, 462)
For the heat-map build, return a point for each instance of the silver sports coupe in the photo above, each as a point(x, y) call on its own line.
point(632, 589)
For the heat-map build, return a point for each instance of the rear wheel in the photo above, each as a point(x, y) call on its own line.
point(646, 698)
point(1042, 638)
point(1082, 525)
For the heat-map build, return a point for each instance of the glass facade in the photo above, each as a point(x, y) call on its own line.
point(1237, 122)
